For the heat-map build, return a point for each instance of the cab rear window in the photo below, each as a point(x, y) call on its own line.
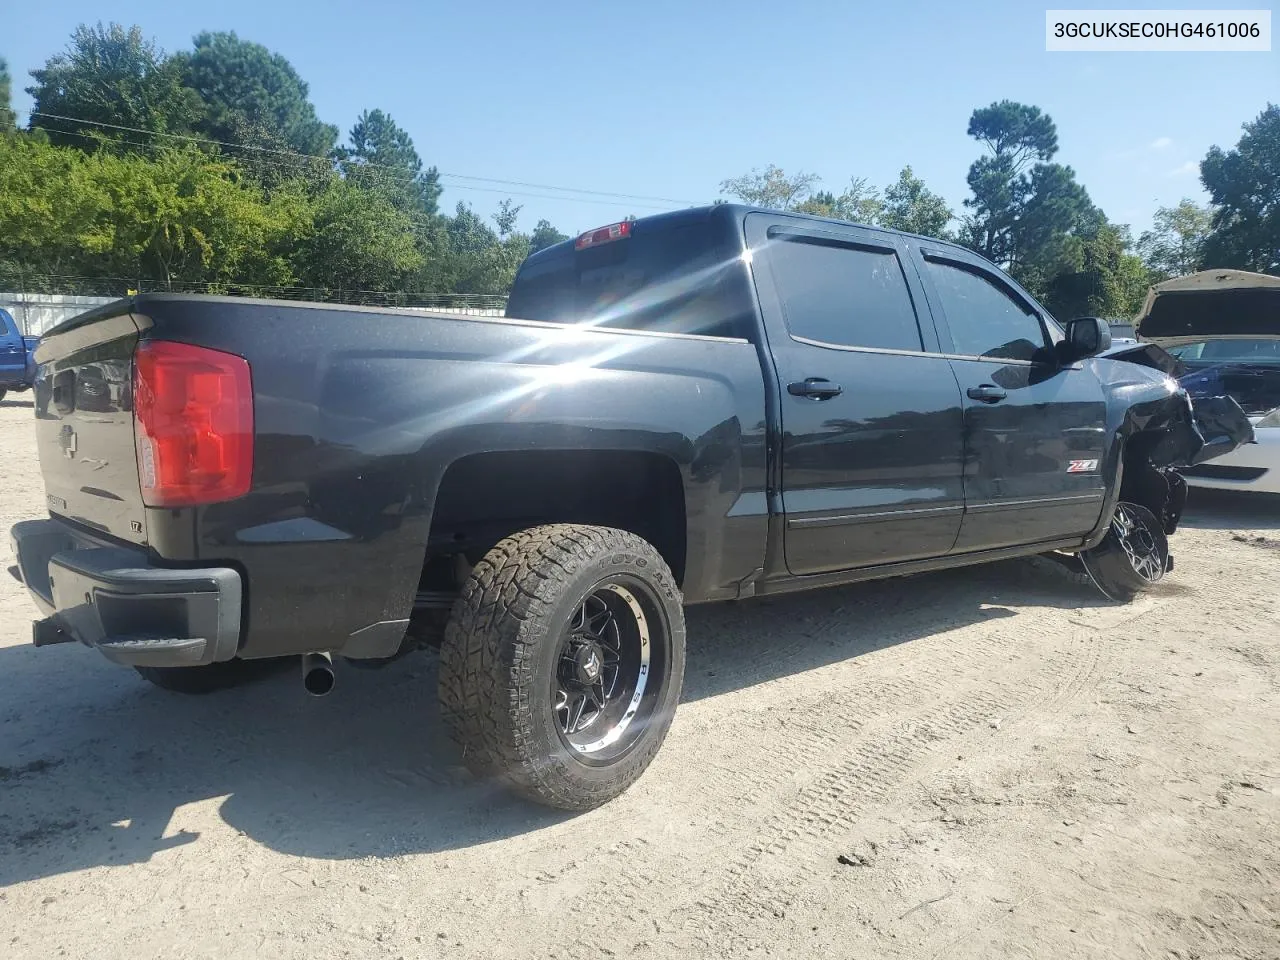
point(677, 278)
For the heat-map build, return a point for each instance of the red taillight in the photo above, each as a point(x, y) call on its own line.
point(193, 424)
point(593, 238)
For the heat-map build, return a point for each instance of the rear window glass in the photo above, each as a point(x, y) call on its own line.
point(675, 278)
point(844, 295)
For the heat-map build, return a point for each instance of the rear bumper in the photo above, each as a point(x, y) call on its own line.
point(113, 598)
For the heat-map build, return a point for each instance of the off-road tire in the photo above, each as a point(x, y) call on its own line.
point(499, 654)
point(210, 678)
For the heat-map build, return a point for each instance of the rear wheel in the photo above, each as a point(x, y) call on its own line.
point(211, 677)
point(1132, 556)
point(562, 664)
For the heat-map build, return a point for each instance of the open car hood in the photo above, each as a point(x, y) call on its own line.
point(1210, 304)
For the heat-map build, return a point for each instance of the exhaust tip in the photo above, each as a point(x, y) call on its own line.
point(317, 674)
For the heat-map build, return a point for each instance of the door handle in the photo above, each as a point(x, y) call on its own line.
point(987, 393)
point(815, 388)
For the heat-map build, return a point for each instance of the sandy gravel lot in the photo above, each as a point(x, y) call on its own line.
point(993, 762)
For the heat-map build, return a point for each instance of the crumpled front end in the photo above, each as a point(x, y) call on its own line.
point(1163, 418)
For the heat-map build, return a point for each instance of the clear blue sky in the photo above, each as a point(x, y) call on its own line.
point(669, 98)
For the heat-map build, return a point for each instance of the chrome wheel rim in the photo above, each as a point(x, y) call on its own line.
point(603, 671)
point(1139, 543)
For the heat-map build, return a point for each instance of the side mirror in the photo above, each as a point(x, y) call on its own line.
point(1086, 337)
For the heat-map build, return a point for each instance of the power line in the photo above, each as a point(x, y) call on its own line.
point(312, 156)
point(280, 165)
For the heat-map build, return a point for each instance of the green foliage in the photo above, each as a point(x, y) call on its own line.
point(859, 203)
point(49, 209)
point(253, 96)
point(1244, 184)
point(180, 216)
point(292, 210)
point(1025, 210)
point(356, 239)
point(771, 188)
point(1014, 132)
point(545, 235)
point(383, 157)
point(906, 204)
point(110, 75)
point(1174, 246)
point(911, 206)
point(506, 217)
point(1095, 274)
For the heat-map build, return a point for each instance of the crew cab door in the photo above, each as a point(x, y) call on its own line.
point(871, 414)
point(1034, 429)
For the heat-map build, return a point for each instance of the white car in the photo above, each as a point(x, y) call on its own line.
point(1224, 325)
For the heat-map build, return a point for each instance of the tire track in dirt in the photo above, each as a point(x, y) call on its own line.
point(768, 876)
point(947, 686)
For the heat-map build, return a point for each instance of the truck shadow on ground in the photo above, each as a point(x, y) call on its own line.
point(11, 402)
point(99, 767)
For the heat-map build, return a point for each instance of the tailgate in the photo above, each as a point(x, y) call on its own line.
point(84, 422)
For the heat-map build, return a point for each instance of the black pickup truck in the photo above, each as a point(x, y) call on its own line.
point(714, 404)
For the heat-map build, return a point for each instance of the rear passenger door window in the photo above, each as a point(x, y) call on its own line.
point(843, 294)
point(984, 318)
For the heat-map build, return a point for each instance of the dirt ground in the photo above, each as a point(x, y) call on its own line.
point(993, 762)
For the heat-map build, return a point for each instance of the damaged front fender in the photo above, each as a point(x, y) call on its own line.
point(1160, 419)
point(1152, 390)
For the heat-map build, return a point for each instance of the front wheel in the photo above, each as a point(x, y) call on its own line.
point(562, 663)
point(1133, 555)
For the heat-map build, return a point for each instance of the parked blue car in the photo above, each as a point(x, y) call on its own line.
point(17, 366)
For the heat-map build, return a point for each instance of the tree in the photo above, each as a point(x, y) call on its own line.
point(909, 205)
point(859, 203)
point(247, 91)
point(176, 217)
point(545, 235)
point(382, 154)
point(472, 258)
point(184, 216)
point(772, 188)
point(110, 75)
point(49, 211)
point(1015, 133)
point(1244, 184)
point(7, 117)
point(1174, 246)
point(1096, 274)
point(506, 217)
point(356, 240)
point(1024, 208)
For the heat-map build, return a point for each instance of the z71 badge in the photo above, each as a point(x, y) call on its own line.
point(1082, 466)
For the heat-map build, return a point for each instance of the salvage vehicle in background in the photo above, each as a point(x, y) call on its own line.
point(1224, 326)
point(715, 404)
point(17, 366)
